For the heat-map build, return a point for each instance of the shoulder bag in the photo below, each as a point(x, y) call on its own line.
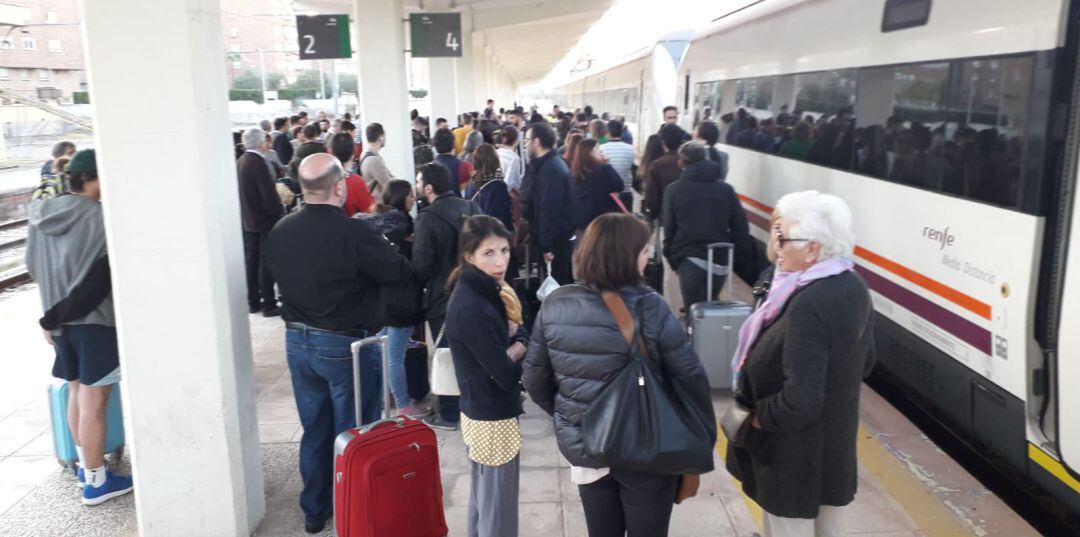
point(643, 420)
point(443, 374)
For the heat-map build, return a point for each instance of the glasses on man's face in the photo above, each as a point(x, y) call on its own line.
point(780, 240)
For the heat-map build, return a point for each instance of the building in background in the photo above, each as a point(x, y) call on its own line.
point(41, 52)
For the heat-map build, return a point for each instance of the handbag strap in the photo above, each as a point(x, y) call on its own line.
point(618, 309)
point(438, 338)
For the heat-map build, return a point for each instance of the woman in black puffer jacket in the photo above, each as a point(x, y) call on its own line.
point(577, 350)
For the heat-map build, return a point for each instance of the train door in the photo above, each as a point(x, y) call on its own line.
point(1067, 370)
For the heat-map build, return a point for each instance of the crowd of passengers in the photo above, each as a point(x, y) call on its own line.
point(954, 158)
point(342, 249)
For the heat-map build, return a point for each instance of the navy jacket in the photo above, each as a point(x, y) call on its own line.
point(493, 197)
point(552, 207)
point(453, 164)
point(594, 193)
point(477, 330)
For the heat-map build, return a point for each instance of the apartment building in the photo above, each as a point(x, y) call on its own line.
point(41, 51)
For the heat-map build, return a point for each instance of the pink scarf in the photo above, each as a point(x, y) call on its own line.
point(784, 284)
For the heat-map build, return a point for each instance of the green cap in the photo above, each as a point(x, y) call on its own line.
point(83, 161)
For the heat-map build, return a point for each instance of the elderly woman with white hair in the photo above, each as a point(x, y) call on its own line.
point(801, 359)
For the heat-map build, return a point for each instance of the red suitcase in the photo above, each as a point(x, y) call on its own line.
point(386, 474)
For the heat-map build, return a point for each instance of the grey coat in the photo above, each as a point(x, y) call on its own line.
point(577, 349)
point(802, 380)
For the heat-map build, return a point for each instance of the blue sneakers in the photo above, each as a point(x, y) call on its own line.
point(115, 485)
point(81, 476)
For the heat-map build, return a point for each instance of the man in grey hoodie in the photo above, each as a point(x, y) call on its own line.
point(66, 255)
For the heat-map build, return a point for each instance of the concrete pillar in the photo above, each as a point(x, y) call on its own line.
point(178, 282)
point(444, 93)
point(380, 38)
point(480, 88)
point(466, 92)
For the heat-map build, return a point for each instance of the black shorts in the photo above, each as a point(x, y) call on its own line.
point(87, 353)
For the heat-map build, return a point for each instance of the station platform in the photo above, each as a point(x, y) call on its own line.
point(907, 486)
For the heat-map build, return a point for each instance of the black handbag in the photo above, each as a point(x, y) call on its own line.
point(645, 420)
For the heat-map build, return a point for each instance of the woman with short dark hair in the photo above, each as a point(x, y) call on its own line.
point(577, 348)
point(595, 181)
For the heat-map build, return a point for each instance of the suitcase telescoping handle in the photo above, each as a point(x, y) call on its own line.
point(383, 342)
point(727, 270)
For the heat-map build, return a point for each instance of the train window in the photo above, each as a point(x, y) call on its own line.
point(988, 101)
point(755, 94)
point(825, 93)
point(707, 102)
point(901, 113)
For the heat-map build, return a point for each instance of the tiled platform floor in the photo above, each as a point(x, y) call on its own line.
point(906, 486)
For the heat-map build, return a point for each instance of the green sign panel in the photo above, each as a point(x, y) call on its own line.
point(436, 35)
point(323, 37)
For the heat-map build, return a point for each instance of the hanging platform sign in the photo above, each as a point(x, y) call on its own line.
point(435, 35)
point(323, 37)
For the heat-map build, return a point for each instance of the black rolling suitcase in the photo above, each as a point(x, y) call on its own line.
point(654, 269)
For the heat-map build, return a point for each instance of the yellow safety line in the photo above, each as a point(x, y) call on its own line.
point(1051, 465)
point(933, 519)
point(897, 481)
point(751, 505)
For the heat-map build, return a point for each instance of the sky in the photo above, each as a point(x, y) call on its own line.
point(629, 26)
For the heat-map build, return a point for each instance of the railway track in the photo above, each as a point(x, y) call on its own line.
point(12, 250)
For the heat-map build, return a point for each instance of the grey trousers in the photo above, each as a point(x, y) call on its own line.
point(493, 500)
point(831, 522)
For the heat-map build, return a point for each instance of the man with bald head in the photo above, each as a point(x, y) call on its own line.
point(330, 270)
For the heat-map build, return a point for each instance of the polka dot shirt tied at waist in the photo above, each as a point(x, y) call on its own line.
point(495, 443)
point(491, 443)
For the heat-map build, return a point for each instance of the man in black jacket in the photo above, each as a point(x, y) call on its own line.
point(260, 208)
point(434, 256)
point(331, 270)
point(551, 204)
point(700, 209)
point(282, 146)
point(310, 145)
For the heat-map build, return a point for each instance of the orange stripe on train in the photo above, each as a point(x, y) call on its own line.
point(967, 302)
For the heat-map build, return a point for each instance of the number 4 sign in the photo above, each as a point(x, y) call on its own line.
point(435, 35)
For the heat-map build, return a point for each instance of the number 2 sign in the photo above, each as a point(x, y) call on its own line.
point(323, 36)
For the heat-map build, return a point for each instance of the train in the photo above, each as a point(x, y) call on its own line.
point(953, 131)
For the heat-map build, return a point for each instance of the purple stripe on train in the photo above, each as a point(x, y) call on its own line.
point(965, 330)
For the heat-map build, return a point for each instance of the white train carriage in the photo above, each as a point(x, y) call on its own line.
point(637, 88)
point(958, 150)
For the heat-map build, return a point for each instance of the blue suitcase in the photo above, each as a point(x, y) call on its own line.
point(64, 444)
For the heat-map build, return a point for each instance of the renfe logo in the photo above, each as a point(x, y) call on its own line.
point(942, 237)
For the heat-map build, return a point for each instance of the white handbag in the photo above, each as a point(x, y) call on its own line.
point(443, 376)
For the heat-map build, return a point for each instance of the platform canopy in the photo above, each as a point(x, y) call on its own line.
point(525, 38)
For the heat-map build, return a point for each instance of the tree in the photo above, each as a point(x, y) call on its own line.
point(348, 82)
point(249, 80)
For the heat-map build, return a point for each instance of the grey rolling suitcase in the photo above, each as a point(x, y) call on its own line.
point(714, 325)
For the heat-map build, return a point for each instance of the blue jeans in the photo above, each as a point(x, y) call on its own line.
point(322, 377)
point(399, 384)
